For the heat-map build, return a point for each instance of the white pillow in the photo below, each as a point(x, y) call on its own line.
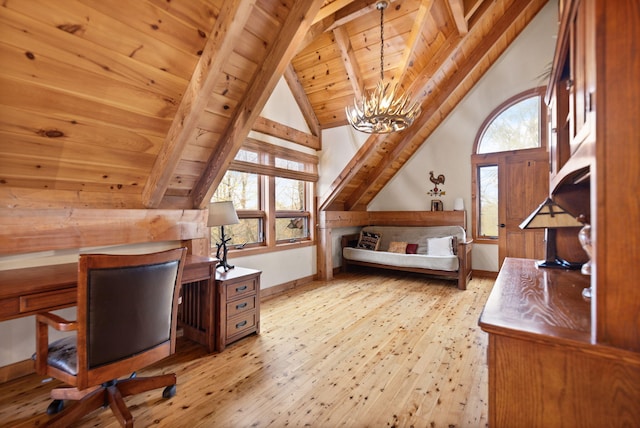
point(439, 246)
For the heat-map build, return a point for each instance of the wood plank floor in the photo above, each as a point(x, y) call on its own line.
point(396, 350)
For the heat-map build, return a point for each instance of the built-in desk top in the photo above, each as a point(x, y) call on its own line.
point(540, 303)
point(29, 290)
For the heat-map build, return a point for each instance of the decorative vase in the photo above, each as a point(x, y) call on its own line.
point(584, 236)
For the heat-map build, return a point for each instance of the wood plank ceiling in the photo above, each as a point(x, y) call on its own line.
point(144, 104)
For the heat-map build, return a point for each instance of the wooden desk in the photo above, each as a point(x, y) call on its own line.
point(544, 369)
point(28, 291)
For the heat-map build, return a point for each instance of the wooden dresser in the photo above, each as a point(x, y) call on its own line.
point(238, 304)
point(544, 371)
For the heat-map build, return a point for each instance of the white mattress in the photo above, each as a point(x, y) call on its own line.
point(446, 263)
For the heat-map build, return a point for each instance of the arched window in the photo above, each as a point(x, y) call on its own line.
point(516, 126)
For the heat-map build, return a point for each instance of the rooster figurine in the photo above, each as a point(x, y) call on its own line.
point(436, 180)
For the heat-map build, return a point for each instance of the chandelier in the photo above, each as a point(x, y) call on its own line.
point(385, 109)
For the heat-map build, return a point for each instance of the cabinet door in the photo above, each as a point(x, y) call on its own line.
point(581, 84)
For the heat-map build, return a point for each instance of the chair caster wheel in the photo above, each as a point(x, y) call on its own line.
point(56, 406)
point(169, 391)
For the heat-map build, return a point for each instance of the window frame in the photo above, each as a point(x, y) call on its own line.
point(267, 172)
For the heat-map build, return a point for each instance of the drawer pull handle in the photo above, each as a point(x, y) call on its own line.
point(241, 324)
point(241, 305)
point(244, 287)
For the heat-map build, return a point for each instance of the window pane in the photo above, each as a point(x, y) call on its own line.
point(488, 201)
point(290, 194)
point(289, 164)
point(291, 228)
point(239, 187)
point(248, 231)
point(246, 156)
point(515, 128)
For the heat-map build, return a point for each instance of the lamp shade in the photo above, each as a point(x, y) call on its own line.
point(221, 214)
point(549, 215)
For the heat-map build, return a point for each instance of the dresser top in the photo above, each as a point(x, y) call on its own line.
point(527, 300)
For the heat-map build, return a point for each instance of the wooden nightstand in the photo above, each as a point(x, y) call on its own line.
point(238, 302)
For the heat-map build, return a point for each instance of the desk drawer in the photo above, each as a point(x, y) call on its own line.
point(239, 324)
point(239, 288)
point(47, 300)
point(195, 273)
point(242, 305)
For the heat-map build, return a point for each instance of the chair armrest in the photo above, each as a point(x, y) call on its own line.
point(347, 239)
point(43, 321)
point(56, 322)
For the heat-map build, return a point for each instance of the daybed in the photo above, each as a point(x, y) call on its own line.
point(435, 250)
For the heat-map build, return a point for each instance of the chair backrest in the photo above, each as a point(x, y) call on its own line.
point(127, 311)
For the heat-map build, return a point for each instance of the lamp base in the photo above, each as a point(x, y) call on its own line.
point(558, 264)
point(225, 265)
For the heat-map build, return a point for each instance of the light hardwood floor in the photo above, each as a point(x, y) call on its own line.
point(397, 350)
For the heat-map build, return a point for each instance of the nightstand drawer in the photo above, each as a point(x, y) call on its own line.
point(240, 288)
point(242, 305)
point(240, 323)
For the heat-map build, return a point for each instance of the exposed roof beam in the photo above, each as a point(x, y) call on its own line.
point(282, 51)
point(456, 7)
point(300, 96)
point(228, 28)
point(284, 132)
point(350, 61)
point(330, 9)
point(416, 31)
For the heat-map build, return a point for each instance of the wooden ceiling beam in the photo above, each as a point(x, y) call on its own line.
point(350, 62)
point(291, 34)
point(222, 39)
point(456, 8)
point(302, 100)
point(284, 132)
point(330, 9)
point(412, 42)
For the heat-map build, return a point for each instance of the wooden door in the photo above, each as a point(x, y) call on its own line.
point(523, 185)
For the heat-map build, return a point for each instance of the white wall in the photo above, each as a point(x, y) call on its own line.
point(447, 151)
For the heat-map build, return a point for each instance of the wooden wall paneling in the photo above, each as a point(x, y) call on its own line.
point(200, 14)
point(66, 106)
point(29, 230)
point(91, 25)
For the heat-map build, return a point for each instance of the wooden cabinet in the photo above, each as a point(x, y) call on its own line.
point(571, 94)
point(554, 361)
point(238, 304)
point(544, 371)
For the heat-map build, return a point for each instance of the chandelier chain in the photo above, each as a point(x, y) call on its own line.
point(382, 42)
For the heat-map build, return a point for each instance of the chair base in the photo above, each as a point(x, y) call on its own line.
point(109, 394)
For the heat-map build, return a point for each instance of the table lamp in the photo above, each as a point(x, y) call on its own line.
point(551, 216)
point(221, 214)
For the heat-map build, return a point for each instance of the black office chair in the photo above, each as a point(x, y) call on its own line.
point(127, 308)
